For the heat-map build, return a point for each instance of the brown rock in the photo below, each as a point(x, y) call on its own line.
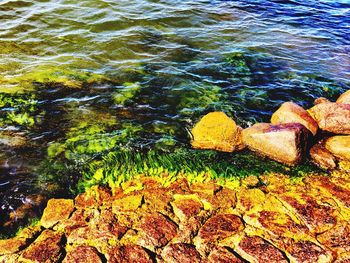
point(322, 157)
point(307, 252)
point(128, 254)
point(337, 238)
point(56, 211)
point(332, 117)
point(186, 206)
point(156, 231)
point(284, 143)
point(344, 98)
point(128, 203)
point(321, 100)
point(82, 254)
point(339, 192)
point(256, 249)
point(289, 112)
point(93, 197)
point(181, 252)
point(218, 132)
point(339, 146)
point(13, 258)
point(46, 248)
point(223, 255)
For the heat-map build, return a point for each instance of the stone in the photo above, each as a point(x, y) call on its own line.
point(344, 98)
point(223, 255)
point(322, 157)
point(128, 203)
point(289, 112)
point(216, 131)
point(83, 254)
point(56, 211)
point(256, 249)
point(337, 238)
point(181, 252)
point(339, 146)
point(128, 254)
point(332, 117)
point(46, 248)
point(156, 231)
point(307, 252)
point(321, 100)
point(285, 143)
point(186, 206)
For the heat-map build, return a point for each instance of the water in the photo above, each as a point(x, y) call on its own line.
point(81, 78)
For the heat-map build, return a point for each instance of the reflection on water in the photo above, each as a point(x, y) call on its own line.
point(81, 78)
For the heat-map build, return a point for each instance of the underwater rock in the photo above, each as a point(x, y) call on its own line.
point(289, 112)
point(56, 210)
point(322, 157)
point(217, 131)
point(344, 98)
point(339, 146)
point(285, 143)
point(332, 117)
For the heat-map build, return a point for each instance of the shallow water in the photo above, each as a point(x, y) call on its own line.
point(81, 78)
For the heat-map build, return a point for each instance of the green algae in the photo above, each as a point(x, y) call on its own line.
point(126, 93)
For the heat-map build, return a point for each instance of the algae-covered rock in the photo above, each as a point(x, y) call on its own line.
point(332, 117)
point(56, 210)
point(344, 98)
point(284, 143)
point(289, 112)
point(322, 157)
point(339, 146)
point(217, 131)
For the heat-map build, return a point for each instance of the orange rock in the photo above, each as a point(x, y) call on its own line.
point(128, 254)
point(289, 112)
point(321, 100)
point(322, 157)
point(186, 206)
point(56, 211)
point(284, 143)
point(332, 117)
point(84, 254)
point(339, 146)
point(217, 131)
point(181, 252)
point(344, 98)
point(223, 255)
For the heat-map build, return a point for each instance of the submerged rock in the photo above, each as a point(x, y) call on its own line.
point(289, 112)
point(332, 117)
point(322, 157)
point(339, 146)
point(285, 143)
point(217, 131)
point(344, 98)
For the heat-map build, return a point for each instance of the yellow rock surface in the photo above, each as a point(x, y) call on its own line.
point(339, 146)
point(217, 131)
point(56, 211)
point(344, 98)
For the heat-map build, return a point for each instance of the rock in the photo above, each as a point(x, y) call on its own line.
point(321, 100)
point(128, 203)
point(339, 146)
point(156, 231)
point(289, 112)
point(332, 117)
point(322, 157)
point(344, 98)
point(56, 211)
point(285, 143)
point(128, 254)
point(180, 252)
point(337, 238)
point(217, 131)
point(307, 252)
point(46, 248)
point(256, 249)
point(83, 254)
point(223, 255)
point(186, 206)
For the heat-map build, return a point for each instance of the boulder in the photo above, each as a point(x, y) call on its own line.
point(285, 143)
point(332, 117)
point(339, 146)
point(216, 131)
point(321, 100)
point(344, 98)
point(322, 157)
point(84, 254)
point(56, 211)
point(289, 112)
point(181, 252)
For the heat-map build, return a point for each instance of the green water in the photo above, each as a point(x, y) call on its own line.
point(83, 82)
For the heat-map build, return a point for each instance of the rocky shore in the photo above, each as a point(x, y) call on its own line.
point(257, 219)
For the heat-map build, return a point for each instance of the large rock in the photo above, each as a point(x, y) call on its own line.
point(56, 211)
point(289, 112)
point(344, 98)
point(218, 132)
point(322, 157)
point(84, 254)
point(181, 252)
point(284, 143)
point(339, 146)
point(332, 117)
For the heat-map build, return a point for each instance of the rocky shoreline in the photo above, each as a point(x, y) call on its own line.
point(257, 219)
